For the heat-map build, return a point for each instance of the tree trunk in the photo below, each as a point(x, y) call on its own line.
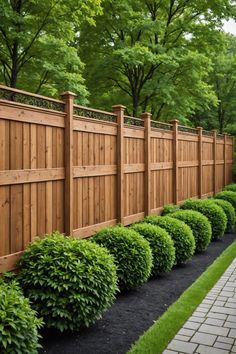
point(14, 69)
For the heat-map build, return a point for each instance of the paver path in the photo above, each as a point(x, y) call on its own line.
point(212, 327)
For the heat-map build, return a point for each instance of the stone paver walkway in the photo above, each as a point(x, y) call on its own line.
point(212, 327)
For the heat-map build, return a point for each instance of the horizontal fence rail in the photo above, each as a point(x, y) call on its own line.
point(76, 169)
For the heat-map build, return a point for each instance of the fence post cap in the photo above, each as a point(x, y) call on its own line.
point(118, 107)
point(68, 93)
point(174, 121)
point(199, 128)
point(146, 115)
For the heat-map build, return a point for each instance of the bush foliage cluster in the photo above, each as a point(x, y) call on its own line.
point(199, 225)
point(213, 212)
point(180, 233)
point(161, 244)
point(69, 283)
point(132, 254)
point(18, 323)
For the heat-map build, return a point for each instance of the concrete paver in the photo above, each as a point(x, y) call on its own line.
point(211, 329)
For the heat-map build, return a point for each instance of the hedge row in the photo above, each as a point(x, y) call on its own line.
point(69, 283)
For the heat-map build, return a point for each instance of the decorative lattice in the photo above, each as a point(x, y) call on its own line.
point(88, 113)
point(133, 121)
point(220, 136)
point(207, 133)
point(30, 100)
point(160, 125)
point(184, 129)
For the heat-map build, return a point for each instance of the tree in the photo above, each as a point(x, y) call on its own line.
point(143, 51)
point(35, 43)
point(223, 80)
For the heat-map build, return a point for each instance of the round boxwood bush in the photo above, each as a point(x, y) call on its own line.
point(69, 282)
point(169, 208)
point(18, 323)
point(229, 212)
point(180, 233)
point(132, 254)
point(229, 196)
point(200, 226)
point(230, 187)
point(213, 212)
point(161, 244)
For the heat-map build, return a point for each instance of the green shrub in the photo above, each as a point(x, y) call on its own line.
point(213, 212)
point(229, 196)
point(70, 282)
point(161, 244)
point(200, 226)
point(18, 323)
point(180, 233)
point(229, 212)
point(132, 253)
point(230, 187)
point(169, 208)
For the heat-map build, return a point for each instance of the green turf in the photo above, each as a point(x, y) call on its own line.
point(157, 337)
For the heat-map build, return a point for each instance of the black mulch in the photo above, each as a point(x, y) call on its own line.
point(133, 312)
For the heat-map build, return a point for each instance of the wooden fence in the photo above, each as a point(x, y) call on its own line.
point(75, 169)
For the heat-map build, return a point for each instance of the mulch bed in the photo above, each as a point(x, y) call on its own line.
point(133, 312)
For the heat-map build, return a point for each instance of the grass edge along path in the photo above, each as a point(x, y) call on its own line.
point(157, 337)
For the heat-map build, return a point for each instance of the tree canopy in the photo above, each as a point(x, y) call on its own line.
point(168, 57)
point(36, 51)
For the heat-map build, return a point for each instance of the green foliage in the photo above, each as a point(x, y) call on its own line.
point(223, 81)
point(180, 233)
point(199, 224)
point(161, 244)
point(229, 196)
point(70, 282)
point(230, 187)
point(132, 254)
point(169, 208)
point(213, 212)
point(229, 212)
point(36, 44)
point(155, 56)
point(18, 323)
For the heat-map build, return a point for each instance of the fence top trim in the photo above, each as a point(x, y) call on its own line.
point(49, 103)
point(26, 93)
point(94, 110)
point(186, 129)
point(161, 125)
point(138, 122)
point(207, 132)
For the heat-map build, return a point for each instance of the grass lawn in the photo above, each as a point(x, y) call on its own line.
point(157, 337)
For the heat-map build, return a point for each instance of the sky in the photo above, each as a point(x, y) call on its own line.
point(230, 26)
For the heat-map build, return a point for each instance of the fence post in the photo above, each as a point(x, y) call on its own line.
point(68, 98)
point(119, 111)
point(147, 160)
point(199, 161)
point(225, 159)
point(175, 123)
point(214, 131)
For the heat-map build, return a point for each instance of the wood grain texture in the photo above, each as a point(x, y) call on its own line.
point(76, 174)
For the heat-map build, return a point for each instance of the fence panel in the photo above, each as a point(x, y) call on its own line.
point(31, 175)
point(76, 169)
point(134, 169)
point(161, 166)
point(188, 164)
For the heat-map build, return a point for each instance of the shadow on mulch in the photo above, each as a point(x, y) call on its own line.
point(135, 311)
